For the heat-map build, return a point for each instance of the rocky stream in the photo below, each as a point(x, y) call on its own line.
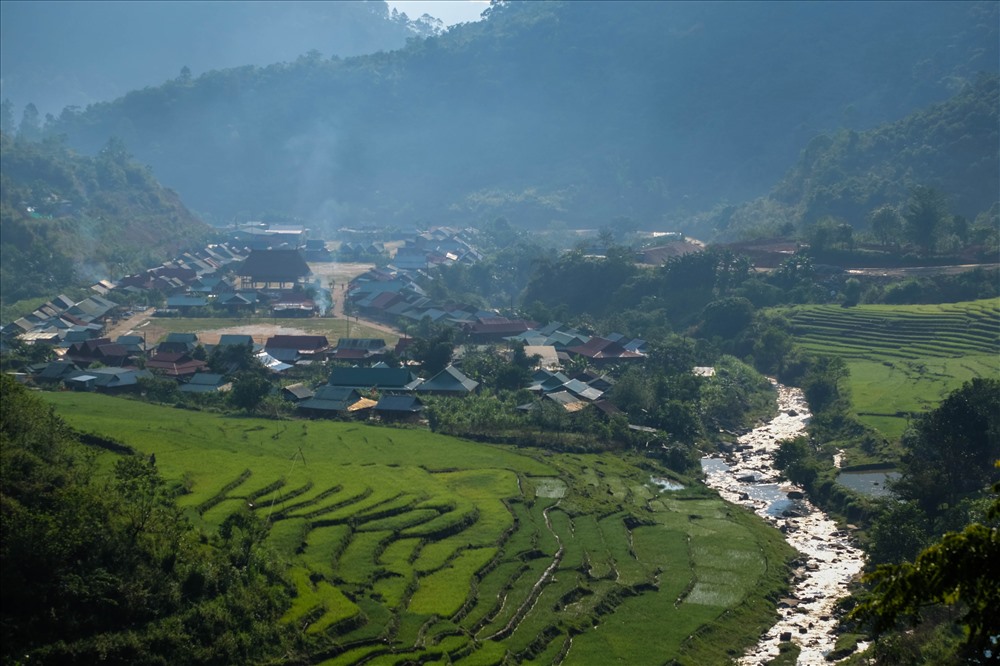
point(828, 560)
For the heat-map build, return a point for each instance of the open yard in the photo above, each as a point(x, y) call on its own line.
point(406, 545)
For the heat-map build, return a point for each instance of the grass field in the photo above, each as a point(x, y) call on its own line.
point(903, 359)
point(409, 546)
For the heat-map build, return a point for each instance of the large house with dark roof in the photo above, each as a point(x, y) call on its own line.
point(272, 269)
point(398, 380)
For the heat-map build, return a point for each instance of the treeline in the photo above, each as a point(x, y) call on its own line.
point(102, 566)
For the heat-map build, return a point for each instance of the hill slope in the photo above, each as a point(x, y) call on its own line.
point(412, 546)
point(59, 54)
point(548, 111)
point(66, 218)
point(951, 146)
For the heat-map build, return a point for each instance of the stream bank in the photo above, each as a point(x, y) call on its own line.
point(829, 561)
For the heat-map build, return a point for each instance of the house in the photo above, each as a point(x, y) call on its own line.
point(399, 408)
point(135, 345)
point(295, 348)
point(178, 342)
point(293, 304)
point(547, 356)
point(601, 351)
point(206, 382)
point(97, 350)
point(174, 364)
point(450, 381)
point(236, 302)
point(109, 380)
point(385, 379)
point(495, 329)
point(315, 250)
point(271, 363)
point(582, 390)
point(186, 302)
point(358, 348)
point(296, 392)
point(569, 402)
point(235, 339)
point(57, 371)
point(272, 269)
point(336, 401)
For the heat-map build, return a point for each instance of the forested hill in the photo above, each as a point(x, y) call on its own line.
point(56, 54)
point(571, 111)
point(65, 218)
point(950, 147)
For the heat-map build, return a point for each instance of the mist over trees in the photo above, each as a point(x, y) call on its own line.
point(58, 54)
point(547, 111)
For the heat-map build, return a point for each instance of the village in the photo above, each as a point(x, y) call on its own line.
point(261, 281)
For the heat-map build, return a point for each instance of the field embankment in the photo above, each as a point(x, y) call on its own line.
point(406, 545)
point(903, 359)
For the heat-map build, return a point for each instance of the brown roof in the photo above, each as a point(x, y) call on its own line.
point(602, 348)
point(174, 364)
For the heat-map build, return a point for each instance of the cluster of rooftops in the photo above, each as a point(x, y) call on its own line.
point(88, 361)
point(101, 364)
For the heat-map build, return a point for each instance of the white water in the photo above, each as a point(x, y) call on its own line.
point(829, 561)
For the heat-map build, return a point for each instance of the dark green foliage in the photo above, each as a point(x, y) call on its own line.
point(869, 178)
point(249, 390)
point(960, 569)
point(950, 451)
point(60, 212)
point(106, 568)
point(726, 317)
point(636, 134)
point(824, 383)
point(899, 532)
point(434, 347)
point(926, 213)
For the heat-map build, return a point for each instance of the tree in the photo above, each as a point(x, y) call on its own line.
point(961, 569)
point(249, 390)
point(726, 317)
point(950, 451)
point(823, 382)
point(852, 291)
point(6, 116)
point(30, 128)
point(926, 213)
point(886, 224)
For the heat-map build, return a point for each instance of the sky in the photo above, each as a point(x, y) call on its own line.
point(449, 11)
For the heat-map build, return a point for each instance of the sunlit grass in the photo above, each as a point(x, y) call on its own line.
point(405, 544)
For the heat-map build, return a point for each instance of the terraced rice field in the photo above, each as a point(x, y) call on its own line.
point(406, 546)
point(903, 359)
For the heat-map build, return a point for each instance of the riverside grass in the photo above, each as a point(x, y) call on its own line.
point(404, 544)
point(903, 359)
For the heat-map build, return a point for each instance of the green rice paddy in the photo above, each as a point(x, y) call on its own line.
point(903, 359)
point(405, 546)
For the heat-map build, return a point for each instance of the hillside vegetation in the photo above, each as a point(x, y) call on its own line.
point(68, 218)
point(77, 59)
point(950, 147)
point(571, 111)
point(409, 545)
